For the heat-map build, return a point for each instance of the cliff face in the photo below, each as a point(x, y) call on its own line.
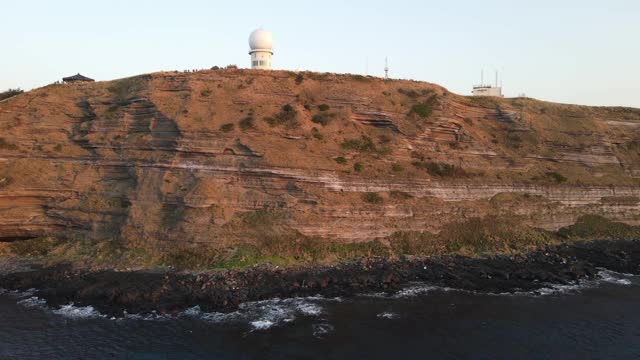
point(212, 157)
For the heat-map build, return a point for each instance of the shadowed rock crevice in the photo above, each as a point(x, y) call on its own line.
point(83, 127)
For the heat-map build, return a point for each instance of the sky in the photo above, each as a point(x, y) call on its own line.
point(580, 52)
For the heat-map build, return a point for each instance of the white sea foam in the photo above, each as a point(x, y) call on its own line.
point(265, 314)
point(309, 309)
point(262, 324)
point(18, 294)
point(387, 315)
point(32, 302)
point(77, 312)
point(613, 277)
point(418, 289)
point(321, 329)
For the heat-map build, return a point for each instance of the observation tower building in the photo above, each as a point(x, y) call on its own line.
point(261, 45)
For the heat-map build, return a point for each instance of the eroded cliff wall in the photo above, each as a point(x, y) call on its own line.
point(197, 158)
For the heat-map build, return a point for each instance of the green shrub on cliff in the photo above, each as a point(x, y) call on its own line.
point(556, 177)
point(364, 144)
point(227, 127)
point(247, 123)
point(594, 227)
point(34, 247)
point(400, 195)
point(340, 160)
point(323, 119)
point(372, 198)
point(288, 117)
point(422, 110)
point(323, 107)
point(10, 93)
point(440, 169)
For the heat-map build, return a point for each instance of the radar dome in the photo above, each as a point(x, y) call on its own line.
point(261, 40)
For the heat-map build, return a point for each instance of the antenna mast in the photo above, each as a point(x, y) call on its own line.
point(386, 68)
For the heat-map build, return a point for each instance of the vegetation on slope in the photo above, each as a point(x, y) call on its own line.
point(10, 93)
point(275, 244)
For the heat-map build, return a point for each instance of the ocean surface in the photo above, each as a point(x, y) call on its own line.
point(591, 320)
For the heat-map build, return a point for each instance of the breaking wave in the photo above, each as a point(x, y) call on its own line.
point(78, 312)
point(33, 302)
point(263, 315)
point(322, 329)
point(387, 315)
point(603, 277)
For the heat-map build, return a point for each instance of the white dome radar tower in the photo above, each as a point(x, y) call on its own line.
point(261, 44)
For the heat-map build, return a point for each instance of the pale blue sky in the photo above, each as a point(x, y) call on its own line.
point(585, 52)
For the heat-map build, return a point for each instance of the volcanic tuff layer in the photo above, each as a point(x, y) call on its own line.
point(201, 157)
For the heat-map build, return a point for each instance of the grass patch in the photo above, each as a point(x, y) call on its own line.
point(288, 117)
point(473, 237)
point(594, 227)
point(323, 107)
point(316, 134)
point(323, 119)
point(484, 101)
point(372, 198)
point(4, 144)
point(357, 167)
point(123, 90)
point(441, 169)
point(410, 93)
point(227, 127)
point(363, 144)
point(37, 247)
point(340, 160)
point(556, 177)
point(397, 168)
point(247, 123)
point(400, 195)
point(423, 110)
point(620, 200)
point(261, 218)
point(275, 250)
point(360, 78)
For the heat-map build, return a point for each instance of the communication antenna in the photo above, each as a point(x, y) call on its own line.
point(386, 68)
point(481, 77)
point(496, 78)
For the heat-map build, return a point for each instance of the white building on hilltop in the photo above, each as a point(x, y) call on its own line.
point(486, 89)
point(261, 44)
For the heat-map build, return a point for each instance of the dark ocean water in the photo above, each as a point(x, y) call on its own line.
point(595, 320)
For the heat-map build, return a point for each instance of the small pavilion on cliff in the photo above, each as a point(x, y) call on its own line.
point(76, 78)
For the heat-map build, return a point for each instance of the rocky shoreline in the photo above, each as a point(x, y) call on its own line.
point(113, 293)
